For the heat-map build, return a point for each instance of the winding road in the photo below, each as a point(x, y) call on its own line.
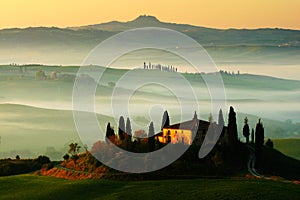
point(251, 162)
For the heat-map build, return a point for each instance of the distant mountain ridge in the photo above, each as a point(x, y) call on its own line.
point(47, 44)
point(205, 35)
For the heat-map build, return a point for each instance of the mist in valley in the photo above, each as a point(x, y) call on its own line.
point(36, 114)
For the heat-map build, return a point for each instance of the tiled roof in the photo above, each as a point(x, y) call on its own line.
point(188, 125)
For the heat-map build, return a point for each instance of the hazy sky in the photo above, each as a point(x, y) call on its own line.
point(209, 13)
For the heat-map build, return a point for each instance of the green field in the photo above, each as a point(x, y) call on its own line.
point(37, 187)
point(289, 147)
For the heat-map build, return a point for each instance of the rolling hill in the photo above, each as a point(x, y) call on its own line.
point(30, 131)
point(49, 102)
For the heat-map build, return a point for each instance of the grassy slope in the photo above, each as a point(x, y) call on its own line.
point(290, 147)
point(275, 163)
point(21, 120)
point(36, 187)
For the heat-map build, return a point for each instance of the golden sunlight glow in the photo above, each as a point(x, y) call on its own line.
point(209, 13)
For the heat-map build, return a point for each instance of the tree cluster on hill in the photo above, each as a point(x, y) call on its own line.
point(40, 75)
point(141, 143)
point(228, 156)
point(168, 68)
point(126, 140)
point(22, 166)
point(229, 73)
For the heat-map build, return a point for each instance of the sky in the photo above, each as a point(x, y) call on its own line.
point(208, 13)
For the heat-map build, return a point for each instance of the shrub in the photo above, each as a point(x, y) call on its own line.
point(66, 157)
point(111, 84)
point(43, 160)
point(40, 75)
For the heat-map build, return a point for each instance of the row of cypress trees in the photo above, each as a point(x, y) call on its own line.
point(259, 133)
point(125, 133)
point(125, 130)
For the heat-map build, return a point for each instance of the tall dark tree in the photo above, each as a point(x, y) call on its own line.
point(259, 142)
point(121, 129)
point(109, 131)
point(128, 136)
point(195, 123)
point(232, 128)
point(210, 118)
point(259, 134)
point(221, 123)
point(252, 136)
point(151, 141)
point(165, 120)
point(221, 118)
point(246, 130)
point(128, 128)
point(195, 116)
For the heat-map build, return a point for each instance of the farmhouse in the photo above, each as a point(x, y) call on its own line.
point(185, 131)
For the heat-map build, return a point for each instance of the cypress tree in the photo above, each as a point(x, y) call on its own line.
point(121, 128)
point(210, 118)
point(221, 118)
point(151, 141)
point(259, 134)
point(109, 131)
point(195, 116)
point(128, 128)
point(221, 123)
point(252, 136)
point(165, 120)
point(232, 128)
point(259, 142)
point(246, 130)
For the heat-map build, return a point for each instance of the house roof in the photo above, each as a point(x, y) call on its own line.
point(188, 125)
